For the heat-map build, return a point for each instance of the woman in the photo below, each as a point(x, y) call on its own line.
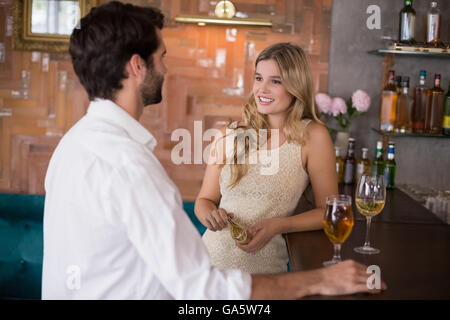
point(282, 98)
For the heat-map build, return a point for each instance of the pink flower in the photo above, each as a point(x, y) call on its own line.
point(361, 101)
point(323, 102)
point(338, 105)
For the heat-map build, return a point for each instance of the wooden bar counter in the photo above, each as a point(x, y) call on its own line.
point(415, 249)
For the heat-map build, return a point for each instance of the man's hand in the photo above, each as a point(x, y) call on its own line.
point(346, 277)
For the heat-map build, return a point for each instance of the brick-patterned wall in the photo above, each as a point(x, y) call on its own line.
point(40, 99)
point(210, 76)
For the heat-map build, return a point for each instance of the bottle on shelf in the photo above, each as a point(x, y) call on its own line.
point(378, 161)
point(349, 164)
point(446, 119)
point(434, 107)
point(407, 24)
point(390, 167)
point(388, 108)
point(363, 165)
point(433, 25)
point(398, 84)
point(339, 165)
point(403, 119)
point(419, 105)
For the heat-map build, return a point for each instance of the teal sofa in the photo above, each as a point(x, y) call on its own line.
point(21, 244)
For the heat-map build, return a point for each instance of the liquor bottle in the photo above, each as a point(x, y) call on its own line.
point(388, 105)
point(349, 165)
point(419, 104)
point(378, 161)
point(363, 165)
point(398, 84)
point(446, 120)
point(433, 25)
point(339, 165)
point(407, 24)
point(403, 119)
point(390, 167)
point(434, 108)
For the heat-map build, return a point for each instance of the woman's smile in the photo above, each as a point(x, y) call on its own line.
point(265, 100)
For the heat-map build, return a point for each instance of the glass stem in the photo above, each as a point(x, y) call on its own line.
point(369, 222)
point(337, 252)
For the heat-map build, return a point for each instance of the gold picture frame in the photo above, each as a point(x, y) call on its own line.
point(26, 40)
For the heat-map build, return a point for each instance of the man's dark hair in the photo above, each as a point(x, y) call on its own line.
point(105, 41)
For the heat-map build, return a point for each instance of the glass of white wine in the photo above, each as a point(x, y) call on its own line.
point(370, 197)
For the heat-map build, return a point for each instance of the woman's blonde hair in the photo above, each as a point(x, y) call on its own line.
point(297, 79)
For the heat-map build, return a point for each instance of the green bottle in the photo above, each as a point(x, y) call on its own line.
point(378, 161)
point(446, 118)
point(350, 163)
point(390, 167)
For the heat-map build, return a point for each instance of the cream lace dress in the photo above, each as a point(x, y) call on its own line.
point(254, 198)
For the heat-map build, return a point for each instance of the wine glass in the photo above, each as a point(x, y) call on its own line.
point(370, 197)
point(338, 223)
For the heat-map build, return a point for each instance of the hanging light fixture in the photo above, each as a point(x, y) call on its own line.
point(225, 12)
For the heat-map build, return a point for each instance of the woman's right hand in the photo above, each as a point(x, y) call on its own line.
point(217, 219)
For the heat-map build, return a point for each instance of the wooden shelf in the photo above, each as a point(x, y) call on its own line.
point(411, 135)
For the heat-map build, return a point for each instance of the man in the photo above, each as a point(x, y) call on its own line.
point(114, 227)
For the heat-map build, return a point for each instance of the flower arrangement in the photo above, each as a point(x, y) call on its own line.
point(343, 112)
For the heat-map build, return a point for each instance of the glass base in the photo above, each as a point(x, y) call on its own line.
point(331, 262)
point(367, 250)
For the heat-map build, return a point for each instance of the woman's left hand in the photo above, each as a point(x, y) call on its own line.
point(261, 233)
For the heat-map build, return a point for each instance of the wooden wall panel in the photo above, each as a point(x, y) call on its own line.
point(30, 157)
point(209, 79)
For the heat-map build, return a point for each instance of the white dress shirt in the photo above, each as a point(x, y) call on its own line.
point(114, 225)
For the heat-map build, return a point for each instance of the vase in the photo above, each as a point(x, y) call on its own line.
point(342, 142)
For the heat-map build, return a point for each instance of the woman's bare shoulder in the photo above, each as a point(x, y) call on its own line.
point(318, 140)
point(316, 132)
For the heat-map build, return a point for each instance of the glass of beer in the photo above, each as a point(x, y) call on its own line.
point(338, 223)
point(370, 196)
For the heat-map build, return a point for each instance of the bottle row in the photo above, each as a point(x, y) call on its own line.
point(427, 110)
point(350, 170)
point(407, 25)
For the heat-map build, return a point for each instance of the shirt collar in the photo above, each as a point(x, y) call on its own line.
point(110, 111)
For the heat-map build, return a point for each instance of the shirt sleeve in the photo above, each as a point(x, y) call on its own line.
point(149, 205)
